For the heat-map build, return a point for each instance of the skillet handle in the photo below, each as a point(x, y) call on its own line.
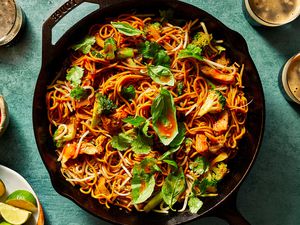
point(229, 212)
point(47, 47)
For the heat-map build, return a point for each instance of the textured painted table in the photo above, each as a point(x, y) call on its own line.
point(270, 194)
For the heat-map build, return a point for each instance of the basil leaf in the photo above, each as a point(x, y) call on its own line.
point(86, 44)
point(164, 119)
point(74, 75)
point(199, 166)
point(191, 51)
point(161, 75)
point(125, 28)
point(143, 182)
point(142, 188)
point(173, 187)
point(194, 204)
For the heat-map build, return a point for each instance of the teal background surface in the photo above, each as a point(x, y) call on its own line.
point(270, 195)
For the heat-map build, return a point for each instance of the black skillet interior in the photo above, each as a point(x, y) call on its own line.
point(54, 63)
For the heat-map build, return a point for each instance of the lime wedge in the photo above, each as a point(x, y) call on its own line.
point(22, 199)
point(5, 223)
point(14, 215)
point(2, 188)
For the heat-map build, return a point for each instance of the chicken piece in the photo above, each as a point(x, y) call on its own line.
point(201, 143)
point(101, 188)
point(221, 125)
point(217, 75)
point(68, 153)
point(88, 148)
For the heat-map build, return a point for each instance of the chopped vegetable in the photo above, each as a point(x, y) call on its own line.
point(97, 54)
point(102, 105)
point(202, 39)
point(194, 204)
point(125, 28)
point(214, 102)
point(86, 44)
point(110, 47)
point(191, 51)
point(74, 75)
point(124, 53)
point(79, 93)
point(163, 113)
point(161, 75)
point(128, 92)
point(179, 88)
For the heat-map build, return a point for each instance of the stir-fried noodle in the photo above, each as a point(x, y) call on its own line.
point(148, 115)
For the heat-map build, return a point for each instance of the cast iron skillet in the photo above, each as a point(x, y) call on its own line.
point(54, 64)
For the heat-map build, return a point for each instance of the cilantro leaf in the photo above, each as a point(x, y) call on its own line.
point(149, 49)
point(191, 51)
point(74, 75)
point(142, 144)
point(161, 75)
point(128, 92)
point(121, 141)
point(125, 28)
point(86, 44)
point(194, 204)
point(79, 93)
point(152, 50)
point(135, 121)
point(162, 58)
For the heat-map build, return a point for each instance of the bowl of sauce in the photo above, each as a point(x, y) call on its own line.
point(11, 21)
point(4, 117)
point(272, 13)
point(291, 79)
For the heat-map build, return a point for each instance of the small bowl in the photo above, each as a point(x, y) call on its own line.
point(290, 78)
point(4, 115)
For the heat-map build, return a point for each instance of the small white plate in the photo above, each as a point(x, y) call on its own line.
point(14, 181)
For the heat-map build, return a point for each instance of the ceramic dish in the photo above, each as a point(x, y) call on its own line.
point(14, 181)
point(54, 64)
